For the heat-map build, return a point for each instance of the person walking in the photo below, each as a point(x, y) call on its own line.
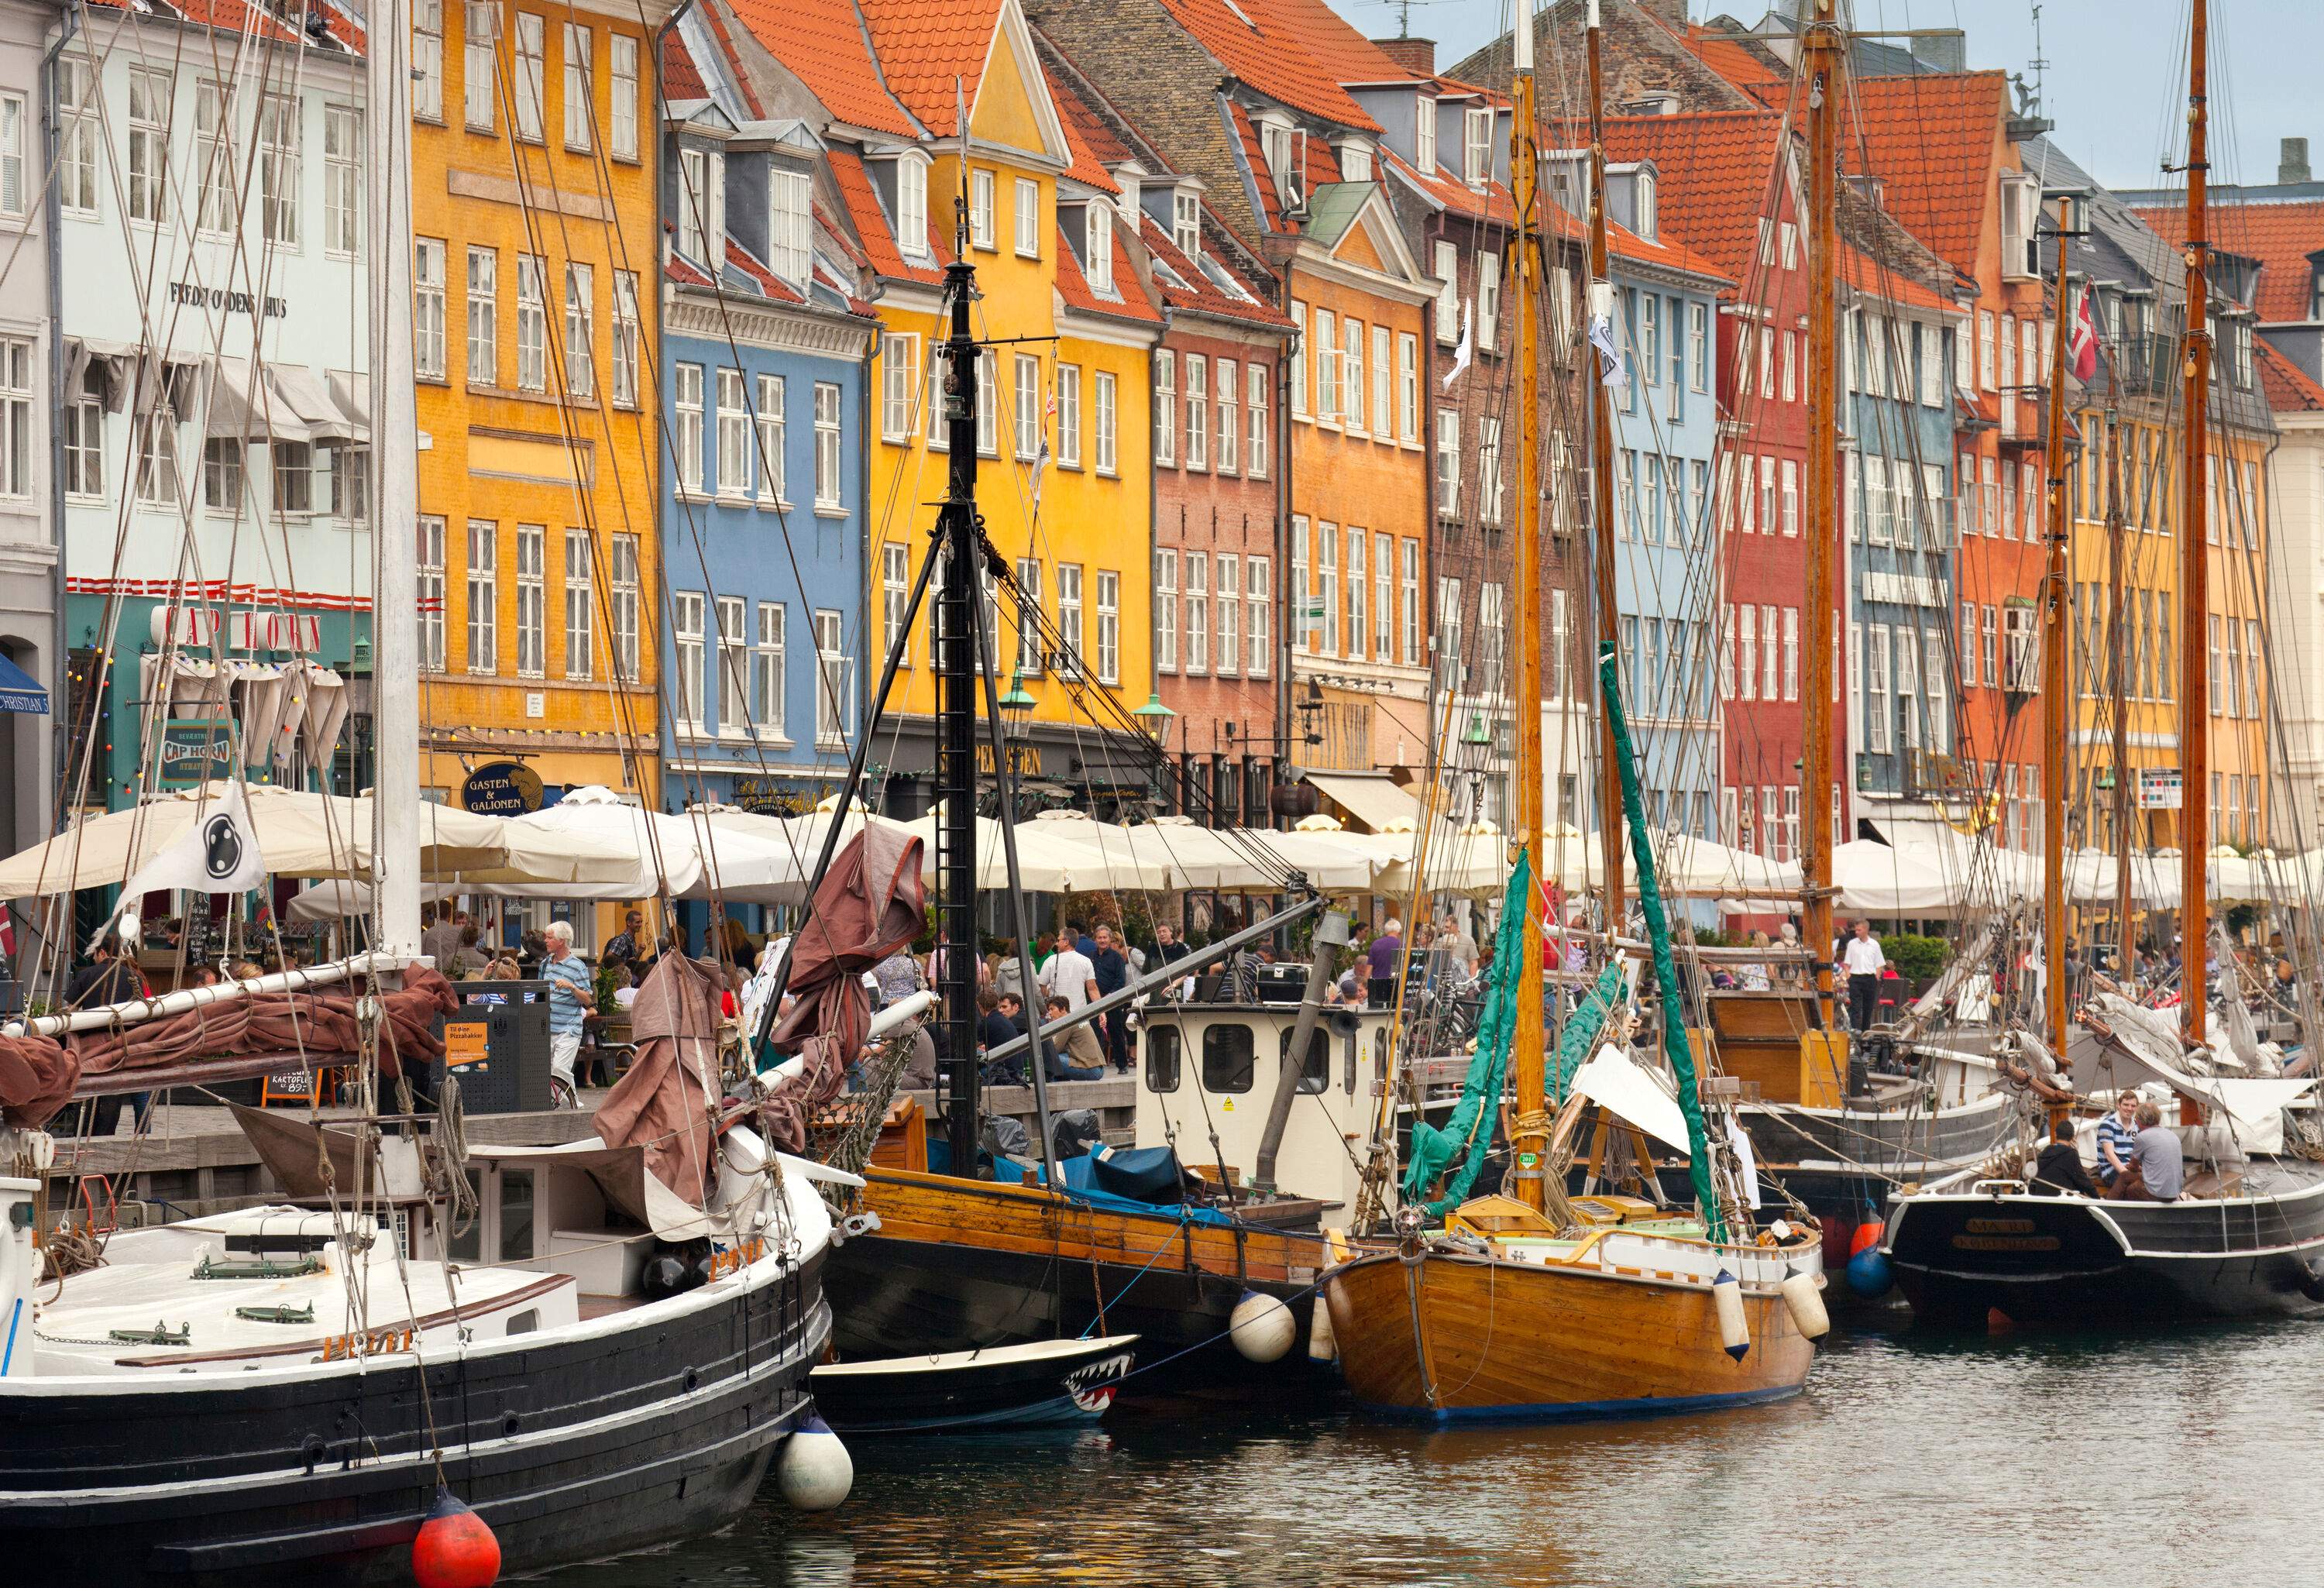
point(1110, 968)
point(572, 999)
point(1862, 958)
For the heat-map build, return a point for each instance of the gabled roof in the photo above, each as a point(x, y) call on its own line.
point(1075, 289)
point(1868, 276)
point(1441, 192)
point(766, 283)
point(681, 80)
point(1719, 172)
point(2280, 233)
point(1296, 52)
point(2289, 390)
point(714, 19)
point(932, 54)
point(1931, 140)
point(872, 227)
point(1187, 283)
point(824, 43)
point(1094, 143)
point(1321, 168)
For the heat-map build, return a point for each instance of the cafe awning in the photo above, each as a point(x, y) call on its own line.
point(20, 691)
point(1371, 798)
point(302, 410)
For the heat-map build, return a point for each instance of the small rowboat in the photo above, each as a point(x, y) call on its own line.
point(1046, 1384)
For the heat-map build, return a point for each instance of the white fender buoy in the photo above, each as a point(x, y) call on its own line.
point(1321, 1345)
point(1263, 1327)
point(1727, 1295)
point(1806, 1304)
point(815, 1470)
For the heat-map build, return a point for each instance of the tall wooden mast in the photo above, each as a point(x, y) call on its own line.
point(2055, 685)
point(1825, 49)
point(2118, 571)
point(1601, 478)
point(1530, 1134)
point(2194, 561)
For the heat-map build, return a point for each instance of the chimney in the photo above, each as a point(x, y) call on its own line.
point(2292, 164)
point(1417, 56)
point(1946, 50)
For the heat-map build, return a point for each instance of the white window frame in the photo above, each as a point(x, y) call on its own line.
point(427, 309)
point(580, 605)
point(774, 475)
point(687, 644)
point(1258, 598)
point(431, 593)
point(484, 596)
point(622, 136)
point(580, 330)
point(830, 474)
point(480, 31)
point(528, 86)
point(531, 323)
point(1027, 219)
point(735, 436)
point(531, 600)
point(580, 88)
point(1109, 627)
point(770, 671)
point(1260, 395)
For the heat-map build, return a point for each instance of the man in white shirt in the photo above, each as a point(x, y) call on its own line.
point(1863, 961)
point(1069, 975)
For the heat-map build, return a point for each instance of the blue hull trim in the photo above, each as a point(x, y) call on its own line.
point(1585, 1411)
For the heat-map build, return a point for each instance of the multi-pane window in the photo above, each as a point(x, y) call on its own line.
point(76, 171)
point(734, 436)
point(1109, 627)
point(1069, 416)
point(1448, 462)
point(1071, 637)
point(1351, 375)
point(900, 382)
point(83, 418)
point(1298, 352)
point(733, 665)
point(484, 317)
point(1383, 596)
point(1488, 470)
point(343, 198)
point(1228, 571)
point(1198, 411)
point(480, 62)
point(686, 430)
point(531, 324)
point(1028, 398)
point(988, 418)
point(769, 671)
point(221, 474)
point(531, 600)
point(1327, 584)
point(1260, 404)
point(895, 595)
point(1407, 387)
point(1476, 146)
point(1098, 233)
point(1383, 382)
point(1198, 612)
point(1448, 292)
point(1029, 616)
point(1327, 366)
point(280, 138)
point(294, 476)
point(827, 491)
point(431, 594)
point(702, 206)
point(625, 131)
point(835, 694)
point(624, 597)
point(1358, 587)
point(150, 93)
point(580, 86)
point(1102, 414)
point(580, 329)
point(1259, 593)
point(214, 164)
point(527, 89)
point(686, 609)
point(773, 399)
point(1165, 406)
point(980, 208)
point(1028, 218)
point(1409, 595)
point(1166, 607)
point(484, 595)
point(427, 308)
point(627, 338)
point(912, 206)
point(791, 206)
point(157, 472)
point(428, 59)
point(580, 606)
point(1230, 421)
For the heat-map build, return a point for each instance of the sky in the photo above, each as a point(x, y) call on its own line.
point(2116, 81)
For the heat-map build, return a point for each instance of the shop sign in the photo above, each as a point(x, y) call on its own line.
point(504, 788)
point(195, 750)
point(764, 796)
point(2160, 787)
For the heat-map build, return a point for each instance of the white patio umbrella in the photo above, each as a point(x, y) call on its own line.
point(1048, 861)
point(1473, 859)
point(689, 856)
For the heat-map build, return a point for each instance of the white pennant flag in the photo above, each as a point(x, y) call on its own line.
point(219, 855)
point(1609, 358)
point(1467, 345)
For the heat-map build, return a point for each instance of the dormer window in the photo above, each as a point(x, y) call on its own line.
point(1186, 223)
point(1097, 236)
point(1355, 162)
point(1477, 146)
point(2240, 340)
point(1129, 183)
point(1642, 204)
point(702, 207)
point(1424, 136)
point(912, 206)
point(2021, 243)
point(2316, 292)
point(1285, 148)
point(790, 203)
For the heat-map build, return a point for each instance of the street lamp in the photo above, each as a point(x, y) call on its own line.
point(1017, 699)
point(1155, 718)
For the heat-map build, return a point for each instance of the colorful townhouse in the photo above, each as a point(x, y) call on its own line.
point(1290, 163)
point(34, 734)
point(537, 279)
point(1064, 430)
point(209, 430)
point(1217, 465)
point(764, 350)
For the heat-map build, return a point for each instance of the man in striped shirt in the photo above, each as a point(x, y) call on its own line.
point(2116, 1131)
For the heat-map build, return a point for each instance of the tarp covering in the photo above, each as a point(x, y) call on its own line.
point(319, 1023)
point(1470, 1127)
point(665, 1103)
point(37, 1076)
point(1631, 1094)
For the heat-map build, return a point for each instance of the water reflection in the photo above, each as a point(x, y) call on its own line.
point(1909, 1464)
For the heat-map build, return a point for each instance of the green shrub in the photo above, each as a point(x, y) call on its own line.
point(1916, 958)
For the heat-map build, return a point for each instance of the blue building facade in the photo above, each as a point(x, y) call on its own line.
point(1899, 406)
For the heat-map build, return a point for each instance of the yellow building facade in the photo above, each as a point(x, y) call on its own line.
point(537, 253)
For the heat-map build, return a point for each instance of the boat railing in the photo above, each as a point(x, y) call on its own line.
point(136, 1010)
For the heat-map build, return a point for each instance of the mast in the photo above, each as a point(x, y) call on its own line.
point(1529, 1136)
point(2194, 563)
point(1824, 50)
point(1601, 477)
point(394, 423)
point(2119, 573)
point(958, 631)
point(2055, 684)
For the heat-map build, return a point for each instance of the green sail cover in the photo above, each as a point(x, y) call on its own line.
point(1582, 1028)
point(1650, 900)
point(1432, 1150)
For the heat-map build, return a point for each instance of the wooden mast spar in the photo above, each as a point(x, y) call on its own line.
point(1601, 471)
point(1530, 1134)
point(1824, 52)
point(2194, 564)
point(2055, 685)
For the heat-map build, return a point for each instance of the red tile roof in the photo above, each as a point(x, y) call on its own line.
point(932, 53)
point(1452, 195)
point(1718, 177)
point(1867, 276)
point(680, 79)
point(1729, 58)
point(1323, 166)
point(2279, 234)
point(1298, 51)
point(1932, 141)
point(2289, 390)
point(684, 271)
point(862, 201)
point(823, 41)
point(1079, 295)
point(1091, 141)
point(769, 283)
point(1200, 294)
point(734, 74)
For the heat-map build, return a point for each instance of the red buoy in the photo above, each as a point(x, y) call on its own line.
point(455, 1548)
point(1867, 1234)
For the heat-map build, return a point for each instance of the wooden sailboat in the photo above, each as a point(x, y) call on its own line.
point(2245, 1237)
point(1533, 1306)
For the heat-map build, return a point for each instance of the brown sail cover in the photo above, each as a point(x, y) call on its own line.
point(38, 1075)
point(869, 904)
point(667, 1099)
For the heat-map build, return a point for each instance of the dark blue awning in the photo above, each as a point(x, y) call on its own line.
point(19, 691)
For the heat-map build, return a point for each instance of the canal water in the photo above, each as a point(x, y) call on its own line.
point(1909, 1462)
